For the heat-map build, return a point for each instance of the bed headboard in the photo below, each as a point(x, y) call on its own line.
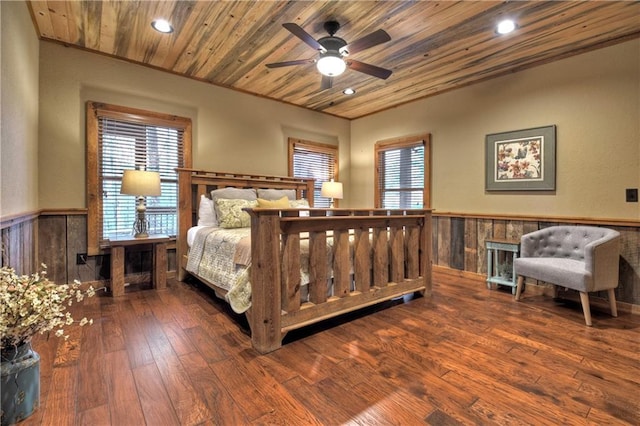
point(193, 183)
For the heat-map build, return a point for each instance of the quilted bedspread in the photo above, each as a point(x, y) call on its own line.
point(223, 257)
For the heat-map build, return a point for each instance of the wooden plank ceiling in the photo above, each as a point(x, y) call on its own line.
point(436, 46)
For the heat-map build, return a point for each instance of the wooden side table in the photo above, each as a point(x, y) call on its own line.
point(159, 263)
point(501, 272)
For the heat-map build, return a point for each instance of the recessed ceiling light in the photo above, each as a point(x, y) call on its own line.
point(162, 25)
point(506, 26)
point(348, 91)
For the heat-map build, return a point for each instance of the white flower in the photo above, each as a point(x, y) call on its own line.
point(33, 304)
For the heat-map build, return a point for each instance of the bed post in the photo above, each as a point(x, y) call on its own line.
point(185, 218)
point(265, 317)
point(426, 258)
point(310, 191)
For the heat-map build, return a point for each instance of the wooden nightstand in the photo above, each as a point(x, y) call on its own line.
point(159, 264)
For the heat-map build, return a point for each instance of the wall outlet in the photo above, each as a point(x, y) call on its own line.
point(81, 259)
point(632, 195)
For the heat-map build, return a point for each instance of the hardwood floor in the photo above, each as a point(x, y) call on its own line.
point(467, 355)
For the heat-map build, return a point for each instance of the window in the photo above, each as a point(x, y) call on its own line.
point(314, 160)
point(118, 139)
point(402, 175)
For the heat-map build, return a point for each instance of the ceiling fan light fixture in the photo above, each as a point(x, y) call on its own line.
point(331, 64)
point(332, 51)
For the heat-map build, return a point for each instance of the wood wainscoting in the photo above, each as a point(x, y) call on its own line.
point(57, 237)
point(459, 244)
point(19, 242)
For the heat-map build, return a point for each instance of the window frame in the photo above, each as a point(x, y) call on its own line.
point(94, 197)
point(400, 143)
point(319, 148)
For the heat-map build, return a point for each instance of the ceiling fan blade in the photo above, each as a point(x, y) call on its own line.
point(297, 31)
point(369, 69)
point(289, 63)
point(373, 39)
point(326, 83)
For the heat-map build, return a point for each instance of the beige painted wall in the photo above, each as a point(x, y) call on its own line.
point(232, 131)
point(593, 98)
point(18, 111)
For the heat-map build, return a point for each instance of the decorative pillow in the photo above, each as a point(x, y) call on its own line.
point(234, 193)
point(206, 213)
point(276, 194)
point(230, 213)
point(282, 203)
point(299, 204)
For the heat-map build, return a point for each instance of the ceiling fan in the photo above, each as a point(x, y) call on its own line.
point(333, 52)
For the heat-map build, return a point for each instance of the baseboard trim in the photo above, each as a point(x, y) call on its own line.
point(130, 279)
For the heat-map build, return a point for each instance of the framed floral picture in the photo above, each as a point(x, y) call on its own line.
point(521, 160)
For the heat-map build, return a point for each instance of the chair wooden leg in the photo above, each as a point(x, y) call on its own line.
point(612, 302)
point(584, 299)
point(519, 286)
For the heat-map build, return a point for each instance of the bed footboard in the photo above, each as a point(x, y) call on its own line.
point(376, 255)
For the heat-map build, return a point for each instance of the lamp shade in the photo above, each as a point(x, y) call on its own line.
point(140, 183)
point(331, 189)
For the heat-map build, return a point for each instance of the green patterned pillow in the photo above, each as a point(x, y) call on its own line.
point(231, 215)
point(297, 204)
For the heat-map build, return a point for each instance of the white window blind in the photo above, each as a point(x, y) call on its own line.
point(401, 176)
point(318, 161)
point(138, 144)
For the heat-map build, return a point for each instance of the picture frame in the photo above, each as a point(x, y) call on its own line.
point(521, 160)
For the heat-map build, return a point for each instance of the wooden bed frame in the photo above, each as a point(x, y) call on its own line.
point(391, 254)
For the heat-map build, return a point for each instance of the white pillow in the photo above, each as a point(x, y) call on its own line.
point(206, 213)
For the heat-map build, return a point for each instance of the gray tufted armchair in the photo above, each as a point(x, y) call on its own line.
point(582, 258)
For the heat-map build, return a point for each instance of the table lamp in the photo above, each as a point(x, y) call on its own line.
point(331, 190)
point(141, 184)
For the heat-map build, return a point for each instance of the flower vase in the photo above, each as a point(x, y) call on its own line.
point(20, 383)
